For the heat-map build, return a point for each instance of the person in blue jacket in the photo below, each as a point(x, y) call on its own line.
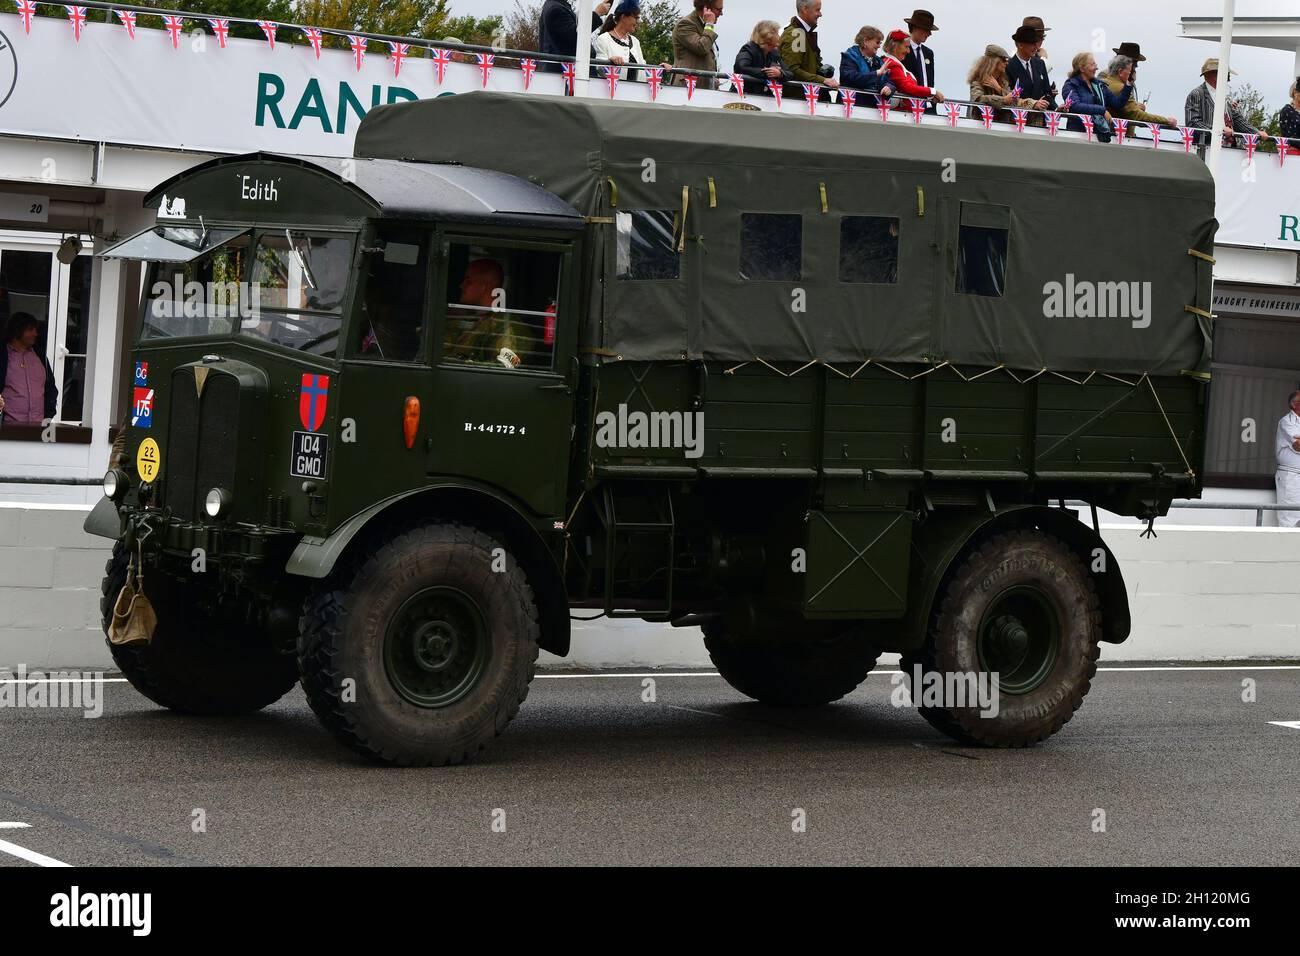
point(860, 64)
point(1087, 95)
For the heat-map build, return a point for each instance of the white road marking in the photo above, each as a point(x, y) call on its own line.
point(13, 826)
point(1293, 724)
point(64, 680)
point(603, 676)
point(1242, 667)
point(31, 856)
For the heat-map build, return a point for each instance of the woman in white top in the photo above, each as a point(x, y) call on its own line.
point(616, 40)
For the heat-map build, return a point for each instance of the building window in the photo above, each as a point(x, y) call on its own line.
point(771, 247)
point(32, 280)
point(868, 249)
point(503, 306)
point(646, 245)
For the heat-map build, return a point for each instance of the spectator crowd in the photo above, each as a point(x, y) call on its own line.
point(899, 64)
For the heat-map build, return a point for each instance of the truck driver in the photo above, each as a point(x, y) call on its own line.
point(486, 336)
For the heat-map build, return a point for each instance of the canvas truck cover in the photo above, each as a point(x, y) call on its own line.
point(1126, 222)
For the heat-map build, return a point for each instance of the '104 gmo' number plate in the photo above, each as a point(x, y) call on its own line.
point(310, 455)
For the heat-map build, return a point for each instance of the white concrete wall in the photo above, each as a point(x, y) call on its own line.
point(1197, 593)
point(49, 587)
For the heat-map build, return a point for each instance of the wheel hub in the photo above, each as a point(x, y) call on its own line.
point(436, 647)
point(1020, 639)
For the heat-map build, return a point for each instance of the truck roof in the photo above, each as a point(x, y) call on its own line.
point(1100, 256)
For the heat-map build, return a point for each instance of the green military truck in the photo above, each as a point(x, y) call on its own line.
point(819, 387)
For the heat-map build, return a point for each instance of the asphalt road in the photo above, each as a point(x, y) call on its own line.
point(1186, 773)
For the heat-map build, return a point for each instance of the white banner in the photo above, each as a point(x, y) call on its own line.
point(1258, 203)
point(247, 96)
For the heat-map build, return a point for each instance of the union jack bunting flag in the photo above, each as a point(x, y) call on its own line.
point(611, 78)
point(1021, 117)
point(397, 52)
point(883, 104)
point(1087, 127)
point(654, 78)
point(77, 16)
point(810, 92)
point(917, 107)
point(777, 91)
point(27, 10)
point(1121, 131)
point(1053, 123)
point(1283, 148)
point(174, 27)
point(485, 61)
point(221, 28)
point(358, 45)
point(986, 116)
point(1155, 134)
point(314, 38)
point(850, 100)
point(529, 69)
point(1189, 137)
point(1250, 141)
point(953, 112)
point(441, 60)
point(570, 71)
point(691, 81)
point(269, 27)
point(127, 17)
point(738, 84)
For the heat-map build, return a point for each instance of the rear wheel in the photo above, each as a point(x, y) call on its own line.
point(817, 670)
point(196, 663)
point(421, 650)
point(1021, 605)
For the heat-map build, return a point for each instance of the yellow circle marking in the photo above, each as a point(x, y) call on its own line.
point(148, 460)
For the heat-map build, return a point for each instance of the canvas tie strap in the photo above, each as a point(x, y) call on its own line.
point(613, 192)
point(713, 194)
point(686, 205)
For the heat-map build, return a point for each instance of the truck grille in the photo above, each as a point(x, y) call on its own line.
point(201, 441)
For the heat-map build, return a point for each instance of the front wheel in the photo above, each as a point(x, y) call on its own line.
point(1021, 606)
point(196, 663)
point(421, 650)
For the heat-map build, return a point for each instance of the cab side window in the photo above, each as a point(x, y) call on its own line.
point(502, 306)
point(393, 314)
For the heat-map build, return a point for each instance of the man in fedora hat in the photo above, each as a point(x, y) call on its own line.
point(1027, 70)
point(1198, 111)
point(919, 60)
point(1122, 72)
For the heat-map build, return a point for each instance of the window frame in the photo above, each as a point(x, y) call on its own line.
point(369, 238)
point(56, 328)
point(566, 300)
point(677, 231)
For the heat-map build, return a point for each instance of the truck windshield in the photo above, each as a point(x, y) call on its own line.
point(299, 280)
point(284, 286)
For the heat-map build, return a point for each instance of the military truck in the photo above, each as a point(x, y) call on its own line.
point(819, 387)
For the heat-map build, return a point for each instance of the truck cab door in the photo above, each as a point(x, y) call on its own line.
point(505, 366)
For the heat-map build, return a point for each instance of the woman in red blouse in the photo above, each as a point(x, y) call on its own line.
point(900, 79)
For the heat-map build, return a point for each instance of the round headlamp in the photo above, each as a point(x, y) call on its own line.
point(115, 484)
point(217, 504)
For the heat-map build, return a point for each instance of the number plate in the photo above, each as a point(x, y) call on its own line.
point(310, 455)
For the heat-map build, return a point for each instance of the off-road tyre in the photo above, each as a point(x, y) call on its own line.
point(1041, 576)
point(194, 665)
point(377, 636)
point(818, 670)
